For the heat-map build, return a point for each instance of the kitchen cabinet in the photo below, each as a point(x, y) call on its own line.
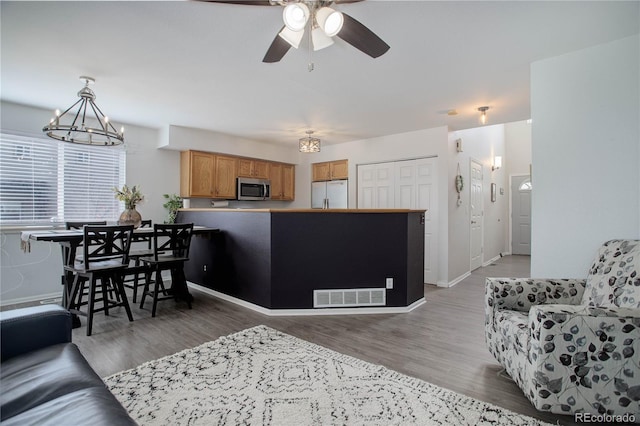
point(282, 178)
point(211, 175)
point(253, 168)
point(330, 170)
point(196, 174)
point(203, 174)
point(225, 177)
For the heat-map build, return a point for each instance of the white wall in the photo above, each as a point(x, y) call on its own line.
point(586, 155)
point(517, 138)
point(481, 144)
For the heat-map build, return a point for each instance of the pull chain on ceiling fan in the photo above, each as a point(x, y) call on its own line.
point(324, 23)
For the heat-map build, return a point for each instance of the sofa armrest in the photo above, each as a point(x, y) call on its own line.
point(27, 329)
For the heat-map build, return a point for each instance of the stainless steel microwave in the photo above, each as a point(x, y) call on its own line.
point(254, 189)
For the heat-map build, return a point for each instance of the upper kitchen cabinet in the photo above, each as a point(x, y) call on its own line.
point(282, 177)
point(203, 174)
point(197, 174)
point(330, 170)
point(253, 168)
point(225, 177)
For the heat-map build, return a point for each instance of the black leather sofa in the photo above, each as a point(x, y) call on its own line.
point(44, 379)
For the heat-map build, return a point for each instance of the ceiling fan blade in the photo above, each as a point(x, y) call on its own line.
point(362, 38)
point(279, 47)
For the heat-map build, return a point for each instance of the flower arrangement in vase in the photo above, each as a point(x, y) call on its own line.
point(131, 197)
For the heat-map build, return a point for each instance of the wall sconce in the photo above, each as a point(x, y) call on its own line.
point(483, 114)
point(497, 163)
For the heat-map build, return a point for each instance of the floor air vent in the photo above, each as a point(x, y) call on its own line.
point(343, 298)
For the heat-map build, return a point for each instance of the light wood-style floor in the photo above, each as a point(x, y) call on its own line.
point(441, 342)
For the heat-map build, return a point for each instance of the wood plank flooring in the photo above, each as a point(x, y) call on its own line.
point(441, 342)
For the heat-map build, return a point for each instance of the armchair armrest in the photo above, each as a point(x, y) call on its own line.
point(520, 294)
point(27, 329)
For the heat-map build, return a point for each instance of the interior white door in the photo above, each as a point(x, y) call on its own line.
point(385, 186)
point(416, 189)
point(376, 186)
point(410, 184)
point(476, 207)
point(427, 199)
point(521, 215)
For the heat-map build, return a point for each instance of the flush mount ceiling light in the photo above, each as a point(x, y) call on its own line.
point(309, 143)
point(86, 124)
point(322, 22)
point(483, 114)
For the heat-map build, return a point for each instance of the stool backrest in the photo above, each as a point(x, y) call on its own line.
point(80, 225)
point(137, 238)
point(102, 243)
point(172, 237)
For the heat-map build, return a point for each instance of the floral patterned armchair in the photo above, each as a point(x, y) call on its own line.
point(572, 345)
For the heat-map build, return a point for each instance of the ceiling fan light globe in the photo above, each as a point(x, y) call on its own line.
point(295, 16)
point(329, 20)
point(320, 39)
point(292, 37)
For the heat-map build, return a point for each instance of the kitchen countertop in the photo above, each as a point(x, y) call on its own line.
point(302, 210)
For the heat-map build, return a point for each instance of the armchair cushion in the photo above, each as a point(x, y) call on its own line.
point(614, 277)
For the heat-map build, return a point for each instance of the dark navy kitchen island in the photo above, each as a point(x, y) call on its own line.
point(289, 259)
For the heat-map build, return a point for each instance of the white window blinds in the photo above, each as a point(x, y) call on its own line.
point(44, 181)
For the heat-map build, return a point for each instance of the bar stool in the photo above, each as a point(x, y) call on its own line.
point(171, 244)
point(136, 272)
point(105, 256)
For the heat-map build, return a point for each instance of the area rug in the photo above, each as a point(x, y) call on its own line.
point(261, 376)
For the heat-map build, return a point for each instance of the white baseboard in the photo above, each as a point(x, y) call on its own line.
point(489, 262)
point(311, 311)
point(42, 298)
point(454, 281)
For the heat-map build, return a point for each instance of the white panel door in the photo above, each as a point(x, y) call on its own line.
point(475, 187)
point(385, 189)
point(366, 186)
point(427, 199)
point(521, 215)
point(408, 184)
point(405, 185)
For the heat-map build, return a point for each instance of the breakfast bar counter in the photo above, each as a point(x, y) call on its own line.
point(292, 259)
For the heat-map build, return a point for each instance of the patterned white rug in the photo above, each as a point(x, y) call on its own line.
point(261, 376)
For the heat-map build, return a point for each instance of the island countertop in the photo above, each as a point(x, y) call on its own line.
point(217, 209)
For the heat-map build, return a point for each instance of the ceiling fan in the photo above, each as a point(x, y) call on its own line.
point(324, 23)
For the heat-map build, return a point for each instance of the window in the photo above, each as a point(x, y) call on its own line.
point(525, 186)
point(44, 181)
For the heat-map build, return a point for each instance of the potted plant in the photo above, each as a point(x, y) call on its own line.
point(173, 203)
point(131, 196)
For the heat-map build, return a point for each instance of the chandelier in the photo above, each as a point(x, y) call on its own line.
point(309, 143)
point(84, 123)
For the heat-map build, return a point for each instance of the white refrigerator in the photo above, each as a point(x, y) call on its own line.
point(329, 195)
